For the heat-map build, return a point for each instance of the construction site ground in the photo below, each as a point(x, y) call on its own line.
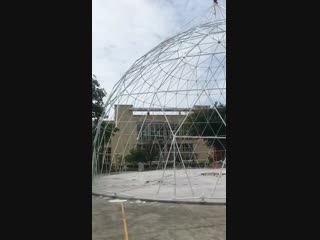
point(114, 219)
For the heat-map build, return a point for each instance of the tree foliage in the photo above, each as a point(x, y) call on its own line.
point(207, 122)
point(135, 155)
point(109, 130)
point(145, 155)
point(98, 93)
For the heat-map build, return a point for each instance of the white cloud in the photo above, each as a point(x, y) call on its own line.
point(124, 30)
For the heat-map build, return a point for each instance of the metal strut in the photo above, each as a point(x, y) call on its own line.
point(215, 2)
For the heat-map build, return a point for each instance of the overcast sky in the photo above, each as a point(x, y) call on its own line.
point(124, 30)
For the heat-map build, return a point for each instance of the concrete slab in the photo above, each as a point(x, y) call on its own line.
point(144, 185)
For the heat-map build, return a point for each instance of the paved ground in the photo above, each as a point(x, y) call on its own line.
point(157, 221)
point(144, 185)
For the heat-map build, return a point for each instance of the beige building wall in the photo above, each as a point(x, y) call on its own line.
point(126, 138)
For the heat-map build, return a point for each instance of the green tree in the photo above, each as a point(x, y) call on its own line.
point(98, 93)
point(151, 153)
point(207, 122)
point(135, 155)
point(107, 128)
point(146, 155)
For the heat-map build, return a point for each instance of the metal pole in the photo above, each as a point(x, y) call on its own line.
point(220, 173)
point(174, 166)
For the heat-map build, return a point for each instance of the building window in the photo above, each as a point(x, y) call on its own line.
point(150, 131)
point(184, 130)
point(154, 129)
point(187, 147)
point(161, 132)
point(108, 156)
point(143, 130)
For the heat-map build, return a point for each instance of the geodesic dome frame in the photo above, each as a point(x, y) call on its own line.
point(168, 99)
